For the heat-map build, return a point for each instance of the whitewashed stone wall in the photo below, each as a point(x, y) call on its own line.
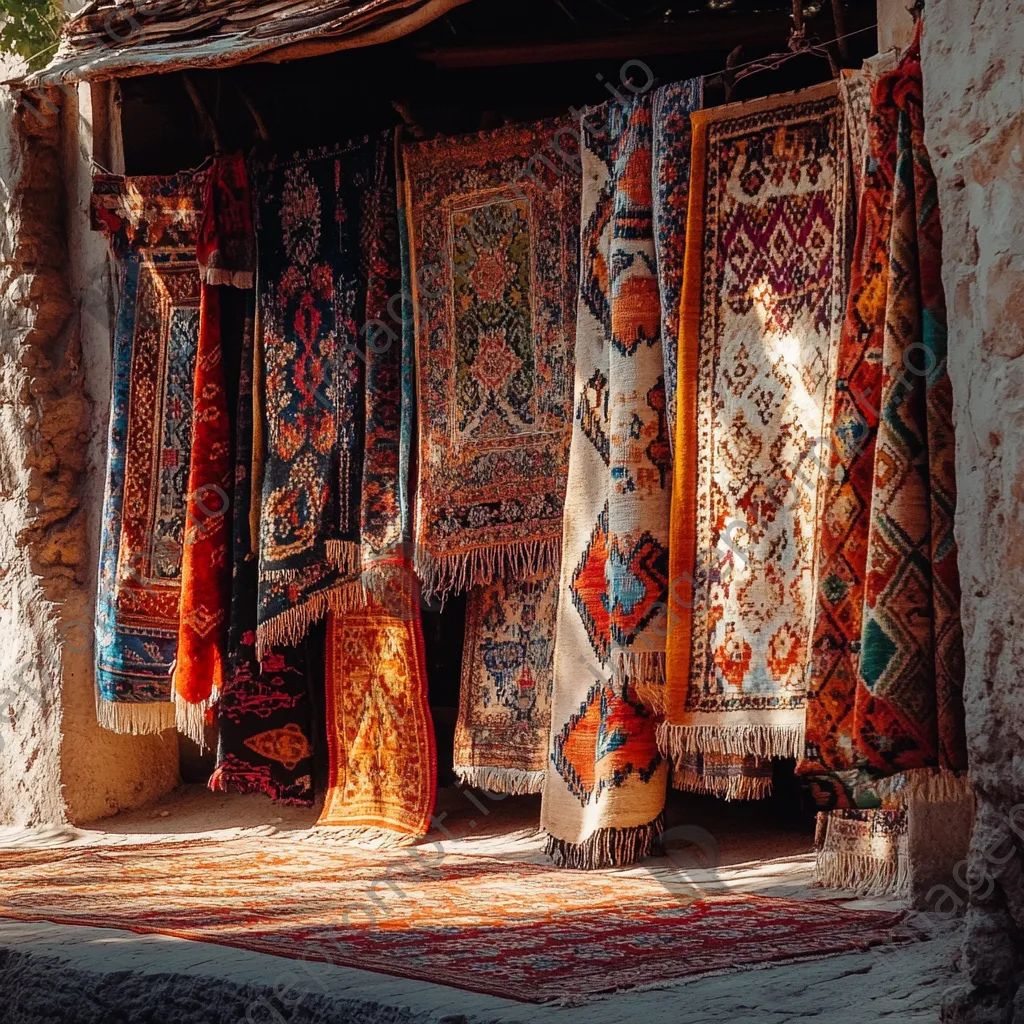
point(973, 60)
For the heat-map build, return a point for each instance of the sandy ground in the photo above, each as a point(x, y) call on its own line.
point(62, 973)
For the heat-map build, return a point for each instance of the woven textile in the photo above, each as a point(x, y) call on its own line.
point(492, 223)
point(761, 312)
point(887, 679)
point(312, 293)
point(384, 513)
point(727, 776)
point(673, 143)
point(263, 715)
point(855, 86)
point(152, 224)
point(501, 737)
point(206, 559)
point(383, 766)
point(866, 851)
point(605, 788)
point(516, 931)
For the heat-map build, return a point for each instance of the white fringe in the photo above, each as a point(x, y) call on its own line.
point(514, 781)
point(135, 719)
point(739, 740)
point(190, 719)
point(646, 671)
point(863, 875)
point(367, 836)
point(442, 575)
point(732, 787)
point(231, 278)
point(927, 785)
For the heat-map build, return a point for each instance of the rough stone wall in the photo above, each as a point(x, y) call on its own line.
point(56, 763)
point(973, 61)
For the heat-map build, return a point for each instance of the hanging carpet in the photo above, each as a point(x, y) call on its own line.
point(605, 788)
point(726, 776)
point(512, 930)
point(310, 358)
point(383, 766)
point(501, 736)
point(672, 146)
point(263, 715)
point(492, 230)
point(226, 251)
point(885, 699)
point(152, 224)
point(761, 310)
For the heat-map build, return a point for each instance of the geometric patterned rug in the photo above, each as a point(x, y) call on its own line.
point(520, 931)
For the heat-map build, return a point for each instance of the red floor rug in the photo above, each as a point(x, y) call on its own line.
point(519, 931)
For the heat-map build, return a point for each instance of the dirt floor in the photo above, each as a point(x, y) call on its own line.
point(59, 973)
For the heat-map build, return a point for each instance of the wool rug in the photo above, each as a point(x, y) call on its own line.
point(605, 787)
point(152, 224)
point(761, 312)
point(225, 252)
point(671, 107)
point(855, 87)
point(380, 737)
point(864, 851)
point(887, 676)
point(492, 227)
point(501, 736)
point(473, 923)
point(312, 294)
point(384, 513)
point(265, 738)
point(727, 776)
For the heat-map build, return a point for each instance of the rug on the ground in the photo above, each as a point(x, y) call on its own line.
point(492, 227)
point(864, 851)
point(264, 742)
point(885, 696)
point(605, 789)
point(672, 146)
point(501, 736)
point(761, 312)
point(152, 224)
point(312, 294)
point(512, 930)
point(380, 736)
point(206, 558)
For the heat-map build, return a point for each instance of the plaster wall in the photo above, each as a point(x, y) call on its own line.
point(973, 62)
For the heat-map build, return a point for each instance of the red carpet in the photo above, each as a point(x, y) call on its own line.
point(519, 931)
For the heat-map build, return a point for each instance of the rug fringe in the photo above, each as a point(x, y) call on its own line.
point(223, 780)
point(645, 670)
point(927, 785)
point(190, 719)
point(861, 874)
point(675, 741)
point(514, 781)
point(135, 719)
point(230, 278)
point(442, 575)
point(733, 787)
point(345, 555)
point(373, 836)
point(288, 628)
point(608, 847)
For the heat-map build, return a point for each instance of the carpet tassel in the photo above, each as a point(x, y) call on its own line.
point(608, 847)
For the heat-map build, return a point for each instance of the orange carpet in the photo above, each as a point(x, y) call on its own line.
point(515, 930)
